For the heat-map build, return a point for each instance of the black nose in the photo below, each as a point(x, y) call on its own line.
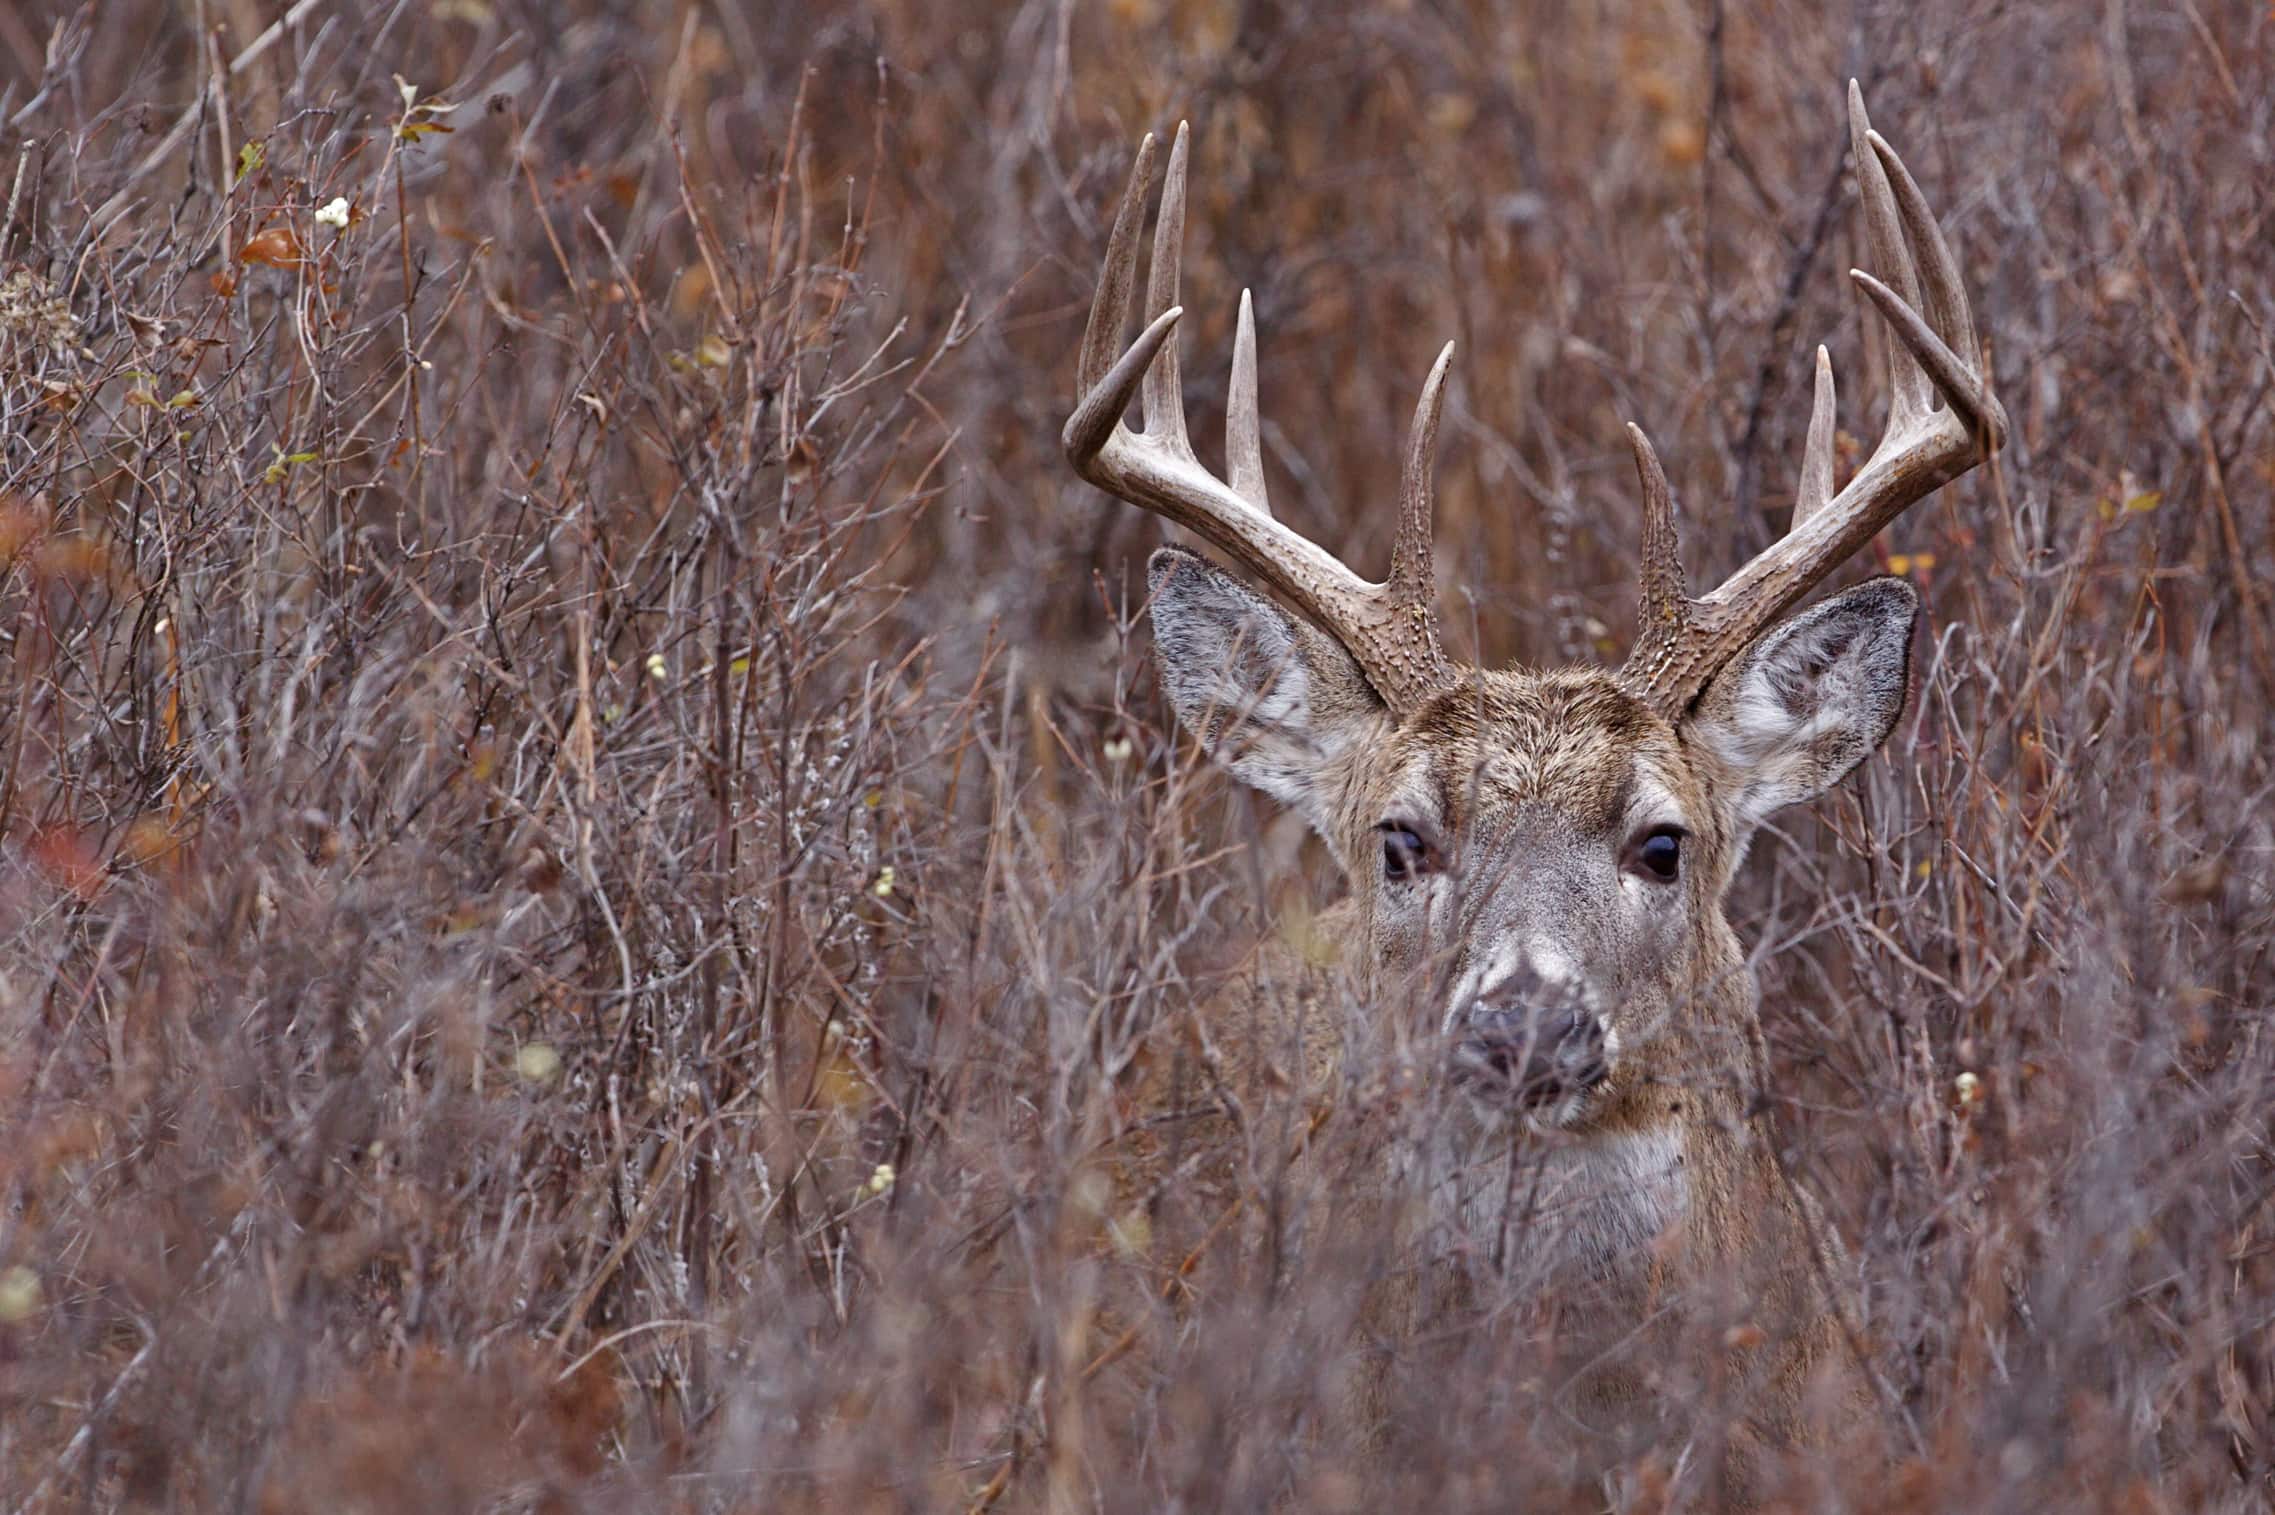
point(1532, 1054)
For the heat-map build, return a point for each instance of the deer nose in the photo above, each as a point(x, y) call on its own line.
point(1530, 1053)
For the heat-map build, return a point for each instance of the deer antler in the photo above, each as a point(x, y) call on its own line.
point(1942, 421)
point(1389, 628)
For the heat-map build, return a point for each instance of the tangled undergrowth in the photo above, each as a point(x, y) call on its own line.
point(587, 841)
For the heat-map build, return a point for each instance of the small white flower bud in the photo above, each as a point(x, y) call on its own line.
point(19, 1295)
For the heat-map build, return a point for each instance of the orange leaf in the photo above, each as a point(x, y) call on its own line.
point(20, 526)
point(147, 840)
point(277, 247)
point(68, 856)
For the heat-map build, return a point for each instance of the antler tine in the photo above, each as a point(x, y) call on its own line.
point(1939, 271)
point(1388, 628)
point(1815, 490)
point(1413, 577)
point(1164, 383)
point(1884, 235)
point(1243, 437)
point(1923, 446)
point(1098, 419)
point(1663, 616)
point(1110, 307)
point(1950, 373)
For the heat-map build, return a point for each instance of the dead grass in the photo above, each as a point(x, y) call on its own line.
point(585, 830)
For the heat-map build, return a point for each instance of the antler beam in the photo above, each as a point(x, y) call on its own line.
point(1389, 628)
point(1942, 421)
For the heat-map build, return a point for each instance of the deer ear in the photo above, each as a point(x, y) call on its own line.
point(1811, 699)
point(1273, 699)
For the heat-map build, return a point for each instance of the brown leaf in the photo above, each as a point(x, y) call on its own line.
point(68, 856)
point(2199, 883)
point(278, 247)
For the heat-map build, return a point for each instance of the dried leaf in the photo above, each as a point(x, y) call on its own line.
point(68, 856)
point(1682, 144)
point(21, 524)
point(276, 247)
point(1452, 112)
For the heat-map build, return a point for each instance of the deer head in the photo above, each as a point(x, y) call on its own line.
point(1551, 848)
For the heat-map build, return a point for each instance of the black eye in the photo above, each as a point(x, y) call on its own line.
point(1657, 854)
point(1405, 856)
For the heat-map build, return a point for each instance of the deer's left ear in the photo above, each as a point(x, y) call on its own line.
point(1798, 710)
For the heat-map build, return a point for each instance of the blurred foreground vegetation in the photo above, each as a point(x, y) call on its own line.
point(586, 834)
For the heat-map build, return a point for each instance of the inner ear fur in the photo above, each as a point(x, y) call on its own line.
point(1812, 698)
point(1273, 699)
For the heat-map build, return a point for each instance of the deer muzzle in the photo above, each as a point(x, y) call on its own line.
point(1531, 1056)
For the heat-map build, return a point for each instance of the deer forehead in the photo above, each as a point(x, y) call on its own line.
point(1574, 745)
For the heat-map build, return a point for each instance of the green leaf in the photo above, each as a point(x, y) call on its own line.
point(284, 463)
point(250, 157)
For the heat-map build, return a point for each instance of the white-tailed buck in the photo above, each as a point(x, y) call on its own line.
point(1541, 858)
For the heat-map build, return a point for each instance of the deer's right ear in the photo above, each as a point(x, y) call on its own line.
point(1272, 698)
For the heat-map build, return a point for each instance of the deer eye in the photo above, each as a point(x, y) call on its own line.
point(1657, 854)
point(1405, 856)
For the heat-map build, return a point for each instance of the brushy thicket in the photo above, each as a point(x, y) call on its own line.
point(585, 828)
